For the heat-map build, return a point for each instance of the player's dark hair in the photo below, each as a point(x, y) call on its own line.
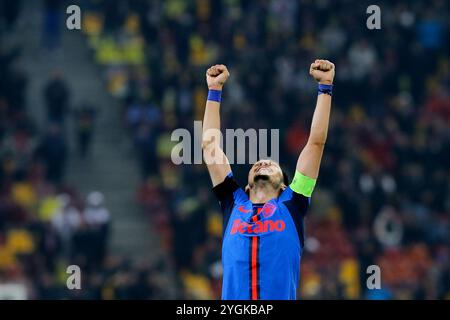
point(285, 177)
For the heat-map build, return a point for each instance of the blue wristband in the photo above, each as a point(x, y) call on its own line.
point(325, 88)
point(215, 95)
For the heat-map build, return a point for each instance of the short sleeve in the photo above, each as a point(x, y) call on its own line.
point(297, 205)
point(224, 190)
point(225, 193)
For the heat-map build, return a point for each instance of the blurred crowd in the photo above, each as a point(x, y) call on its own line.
point(383, 195)
point(45, 224)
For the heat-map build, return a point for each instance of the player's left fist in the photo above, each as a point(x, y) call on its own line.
point(322, 71)
point(216, 76)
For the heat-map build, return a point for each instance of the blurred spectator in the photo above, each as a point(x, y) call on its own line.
point(97, 218)
point(364, 56)
point(85, 122)
point(52, 11)
point(66, 221)
point(430, 31)
point(145, 142)
point(9, 11)
point(53, 152)
point(56, 94)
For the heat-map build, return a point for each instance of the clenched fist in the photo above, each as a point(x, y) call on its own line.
point(322, 71)
point(216, 76)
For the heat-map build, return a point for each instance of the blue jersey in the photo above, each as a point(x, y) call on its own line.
point(262, 243)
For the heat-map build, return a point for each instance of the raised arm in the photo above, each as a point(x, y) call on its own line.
point(215, 159)
point(308, 163)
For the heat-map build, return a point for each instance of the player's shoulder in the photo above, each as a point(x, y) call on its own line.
point(286, 194)
point(289, 194)
point(229, 188)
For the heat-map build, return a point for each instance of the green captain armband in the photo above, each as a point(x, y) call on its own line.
point(303, 184)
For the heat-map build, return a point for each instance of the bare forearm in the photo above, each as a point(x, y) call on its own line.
point(320, 121)
point(211, 121)
point(309, 160)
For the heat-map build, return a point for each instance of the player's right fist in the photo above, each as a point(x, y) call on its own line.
point(216, 76)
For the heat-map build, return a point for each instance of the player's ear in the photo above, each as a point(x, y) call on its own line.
point(284, 181)
point(282, 188)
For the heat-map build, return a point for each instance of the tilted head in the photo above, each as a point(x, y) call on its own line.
point(267, 172)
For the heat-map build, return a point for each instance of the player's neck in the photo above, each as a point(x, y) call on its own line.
point(262, 193)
